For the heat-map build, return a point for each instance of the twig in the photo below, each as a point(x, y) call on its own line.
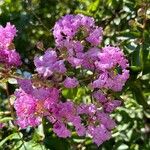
point(10, 105)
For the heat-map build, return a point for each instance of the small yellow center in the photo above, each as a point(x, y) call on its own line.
point(40, 108)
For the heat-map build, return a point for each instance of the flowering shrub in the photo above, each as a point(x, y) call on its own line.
point(102, 70)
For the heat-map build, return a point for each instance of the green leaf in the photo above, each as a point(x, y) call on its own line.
point(138, 94)
point(31, 145)
point(130, 34)
point(6, 119)
point(10, 137)
point(56, 143)
point(135, 58)
point(123, 147)
point(39, 133)
point(94, 6)
point(70, 93)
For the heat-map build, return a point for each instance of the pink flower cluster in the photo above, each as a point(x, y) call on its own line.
point(73, 35)
point(110, 61)
point(8, 55)
point(49, 63)
point(33, 103)
point(76, 53)
point(79, 26)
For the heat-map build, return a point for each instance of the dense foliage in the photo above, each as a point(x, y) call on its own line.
point(126, 24)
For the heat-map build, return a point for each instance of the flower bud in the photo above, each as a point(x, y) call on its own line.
point(141, 12)
point(131, 22)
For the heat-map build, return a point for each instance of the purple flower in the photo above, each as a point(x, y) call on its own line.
point(70, 82)
point(77, 39)
point(26, 85)
point(13, 58)
point(25, 106)
point(8, 56)
point(100, 97)
point(72, 33)
point(81, 130)
point(32, 105)
point(106, 120)
point(48, 64)
point(111, 105)
point(61, 130)
point(7, 35)
point(95, 37)
point(90, 57)
point(101, 134)
point(68, 26)
point(113, 67)
point(75, 62)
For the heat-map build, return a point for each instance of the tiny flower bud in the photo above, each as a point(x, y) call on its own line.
point(40, 45)
point(141, 12)
point(131, 22)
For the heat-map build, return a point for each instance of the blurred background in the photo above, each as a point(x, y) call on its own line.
point(126, 23)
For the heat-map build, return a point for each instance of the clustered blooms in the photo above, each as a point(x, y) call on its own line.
point(33, 103)
point(73, 34)
point(77, 53)
point(8, 54)
point(71, 82)
point(79, 26)
point(110, 61)
point(48, 64)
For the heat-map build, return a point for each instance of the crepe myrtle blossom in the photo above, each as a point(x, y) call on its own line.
point(70, 82)
point(77, 40)
point(49, 63)
point(73, 52)
point(8, 54)
point(31, 105)
point(62, 114)
point(107, 104)
point(113, 67)
point(100, 97)
point(7, 34)
point(99, 134)
point(72, 33)
point(98, 123)
point(110, 106)
point(10, 58)
point(69, 26)
point(95, 36)
point(90, 57)
point(61, 130)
